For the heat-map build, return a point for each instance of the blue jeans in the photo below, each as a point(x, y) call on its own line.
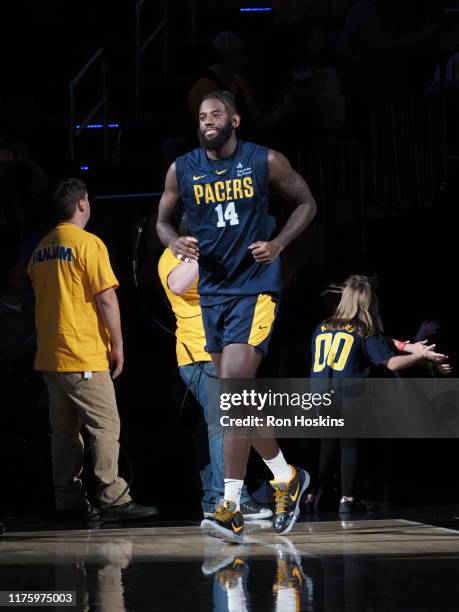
point(196, 377)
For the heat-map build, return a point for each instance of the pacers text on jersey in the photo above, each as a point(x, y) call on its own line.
point(222, 191)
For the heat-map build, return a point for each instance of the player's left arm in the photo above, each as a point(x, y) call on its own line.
point(291, 186)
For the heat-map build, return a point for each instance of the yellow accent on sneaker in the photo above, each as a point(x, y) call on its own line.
point(295, 497)
point(273, 483)
point(223, 513)
point(282, 492)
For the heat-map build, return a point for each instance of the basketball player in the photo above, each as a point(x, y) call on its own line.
point(224, 188)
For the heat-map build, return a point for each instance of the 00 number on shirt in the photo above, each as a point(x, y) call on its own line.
point(332, 350)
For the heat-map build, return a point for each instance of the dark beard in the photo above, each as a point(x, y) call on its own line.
point(218, 141)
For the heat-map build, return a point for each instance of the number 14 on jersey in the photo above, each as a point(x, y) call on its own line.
point(229, 214)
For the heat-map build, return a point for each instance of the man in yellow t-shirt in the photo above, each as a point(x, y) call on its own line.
point(79, 341)
point(179, 280)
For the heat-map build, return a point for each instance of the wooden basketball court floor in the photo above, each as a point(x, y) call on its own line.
point(389, 564)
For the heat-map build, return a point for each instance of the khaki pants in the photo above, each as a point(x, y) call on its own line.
point(75, 401)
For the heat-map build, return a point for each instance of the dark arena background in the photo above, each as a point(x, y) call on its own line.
point(363, 99)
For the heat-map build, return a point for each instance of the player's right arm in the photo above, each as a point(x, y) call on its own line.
point(181, 246)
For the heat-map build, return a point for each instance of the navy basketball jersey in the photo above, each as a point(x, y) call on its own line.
point(227, 205)
point(343, 353)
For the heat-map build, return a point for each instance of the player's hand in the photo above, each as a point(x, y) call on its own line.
point(116, 359)
point(430, 355)
point(186, 247)
point(444, 368)
point(265, 252)
point(416, 348)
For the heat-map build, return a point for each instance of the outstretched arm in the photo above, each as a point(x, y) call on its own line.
point(400, 362)
point(291, 186)
point(181, 246)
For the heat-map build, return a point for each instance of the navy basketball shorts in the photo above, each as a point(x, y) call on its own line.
point(240, 320)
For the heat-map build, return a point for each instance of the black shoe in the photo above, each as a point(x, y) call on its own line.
point(368, 505)
point(310, 503)
point(287, 496)
point(127, 512)
point(82, 513)
point(346, 506)
point(228, 523)
point(253, 511)
point(374, 506)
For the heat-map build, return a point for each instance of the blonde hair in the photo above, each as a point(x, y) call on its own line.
point(358, 307)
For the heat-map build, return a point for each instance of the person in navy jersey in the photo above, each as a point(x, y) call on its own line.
point(353, 355)
point(224, 188)
point(227, 204)
point(346, 345)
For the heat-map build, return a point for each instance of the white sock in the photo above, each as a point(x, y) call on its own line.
point(287, 598)
point(279, 467)
point(233, 488)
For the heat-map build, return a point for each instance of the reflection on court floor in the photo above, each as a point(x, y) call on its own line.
point(390, 564)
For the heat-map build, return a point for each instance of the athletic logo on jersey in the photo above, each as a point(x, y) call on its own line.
point(196, 178)
point(243, 171)
point(220, 171)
